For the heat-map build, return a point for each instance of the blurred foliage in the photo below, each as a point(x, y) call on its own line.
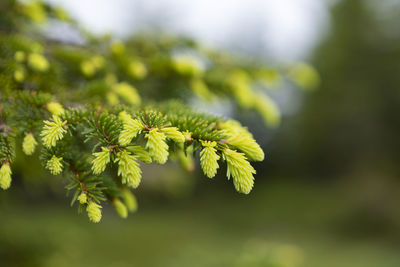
point(351, 124)
point(285, 224)
point(344, 136)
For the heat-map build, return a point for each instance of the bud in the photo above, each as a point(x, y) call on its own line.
point(120, 208)
point(240, 83)
point(238, 136)
point(240, 169)
point(137, 69)
point(188, 65)
point(209, 158)
point(128, 169)
point(94, 212)
point(157, 146)
point(82, 198)
point(112, 98)
point(129, 199)
point(124, 116)
point(88, 68)
point(200, 88)
point(55, 108)
point(98, 62)
point(53, 131)
point(304, 75)
point(270, 78)
point(54, 165)
point(174, 134)
point(38, 62)
point(101, 160)
point(61, 14)
point(29, 144)
point(127, 92)
point(19, 75)
point(131, 128)
point(19, 56)
point(118, 48)
point(5, 176)
point(268, 109)
point(35, 11)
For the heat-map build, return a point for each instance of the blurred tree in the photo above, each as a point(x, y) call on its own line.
point(352, 122)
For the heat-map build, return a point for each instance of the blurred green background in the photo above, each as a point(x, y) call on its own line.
point(327, 194)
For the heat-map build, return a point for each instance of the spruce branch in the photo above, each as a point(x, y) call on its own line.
point(100, 110)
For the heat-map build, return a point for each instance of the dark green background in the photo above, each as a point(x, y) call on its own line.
point(326, 195)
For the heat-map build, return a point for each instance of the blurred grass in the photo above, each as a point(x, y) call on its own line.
point(326, 225)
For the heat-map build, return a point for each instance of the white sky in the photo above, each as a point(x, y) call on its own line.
point(281, 29)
